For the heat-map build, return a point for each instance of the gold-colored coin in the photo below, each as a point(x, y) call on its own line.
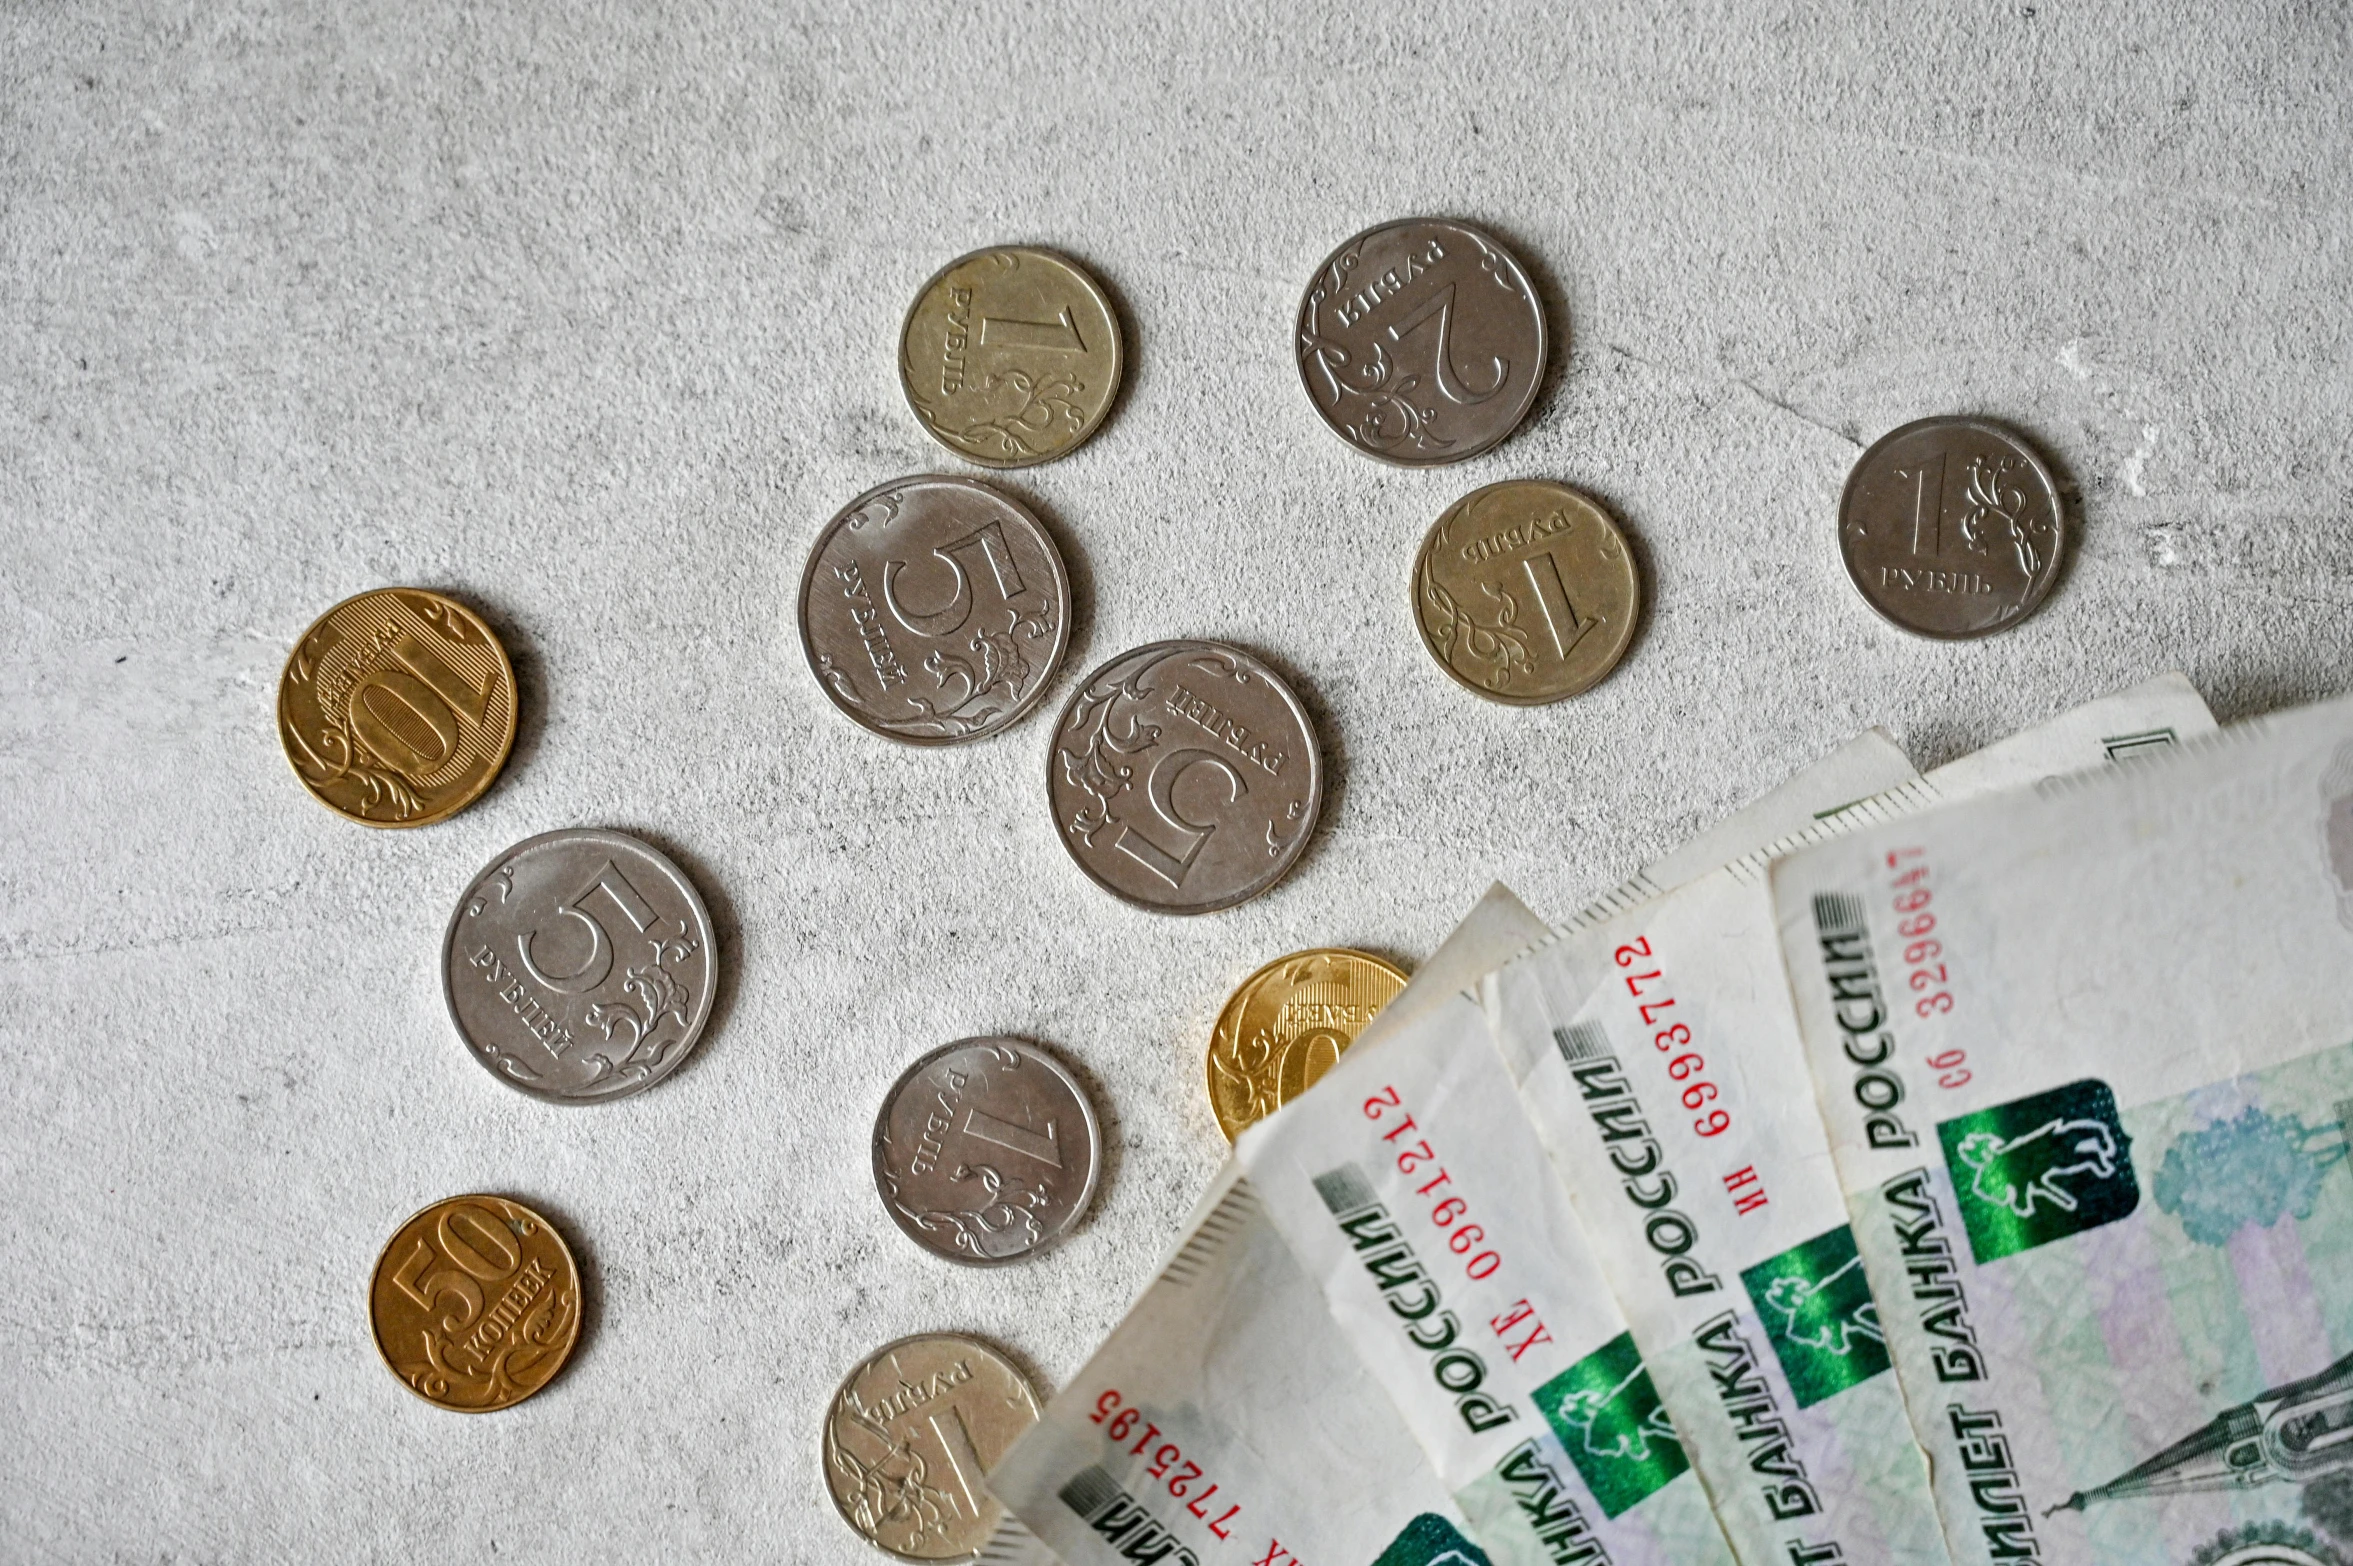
point(1010, 356)
point(910, 1439)
point(1286, 1024)
point(397, 708)
point(475, 1303)
point(1526, 592)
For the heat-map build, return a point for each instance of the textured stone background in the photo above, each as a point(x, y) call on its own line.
point(586, 314)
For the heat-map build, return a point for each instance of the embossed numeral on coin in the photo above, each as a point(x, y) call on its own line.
point(1058, 336)
point(396, 711)
point(1191, 836)
point(1927, 481)
point(1441, 305)
point(454, 1281)
point(956, 1440)
point(599, 962)
point(1552, 596)
point(1015, 1139)
point(988, 544)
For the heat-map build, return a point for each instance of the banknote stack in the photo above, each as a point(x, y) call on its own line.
point(1914, 1168)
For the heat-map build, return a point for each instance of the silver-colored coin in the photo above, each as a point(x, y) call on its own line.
point(1422, 342)
point(934, 610)
point(579, 966)
point(1185, 777)
point(986, 1150)
point(1952, 528)
point(910, 1437)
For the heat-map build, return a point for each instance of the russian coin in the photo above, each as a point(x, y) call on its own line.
point(910, 1437)
point(397, 708)
point(934, 610)
point(1185, 777)
point(1010, 356)
point(1952, 528)
point(579, 966)
point(1526, 592)
point(1422, 342)
point(475, 1303)
point(986, 1150)
point(1286, 1024)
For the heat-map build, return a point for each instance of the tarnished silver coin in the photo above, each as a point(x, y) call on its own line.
point(1422, 342)
point(1952, 528)
point(579, 966)
point(986, 1150)
point(1185, 777)
point(910, 1437)
point(934, 610)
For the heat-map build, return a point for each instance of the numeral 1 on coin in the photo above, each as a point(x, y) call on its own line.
point(1552, 597)
point(1057, 336)
point(1927, 482)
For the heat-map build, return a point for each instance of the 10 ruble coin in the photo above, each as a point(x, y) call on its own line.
point(397, 708)
point(1285, 1026)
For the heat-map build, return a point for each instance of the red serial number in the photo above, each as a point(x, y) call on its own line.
point(1684, 1065)
point(1168, 1463)
point(1415, 1156)
point(1924, 968)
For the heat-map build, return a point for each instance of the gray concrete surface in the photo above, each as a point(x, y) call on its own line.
point(586, 313)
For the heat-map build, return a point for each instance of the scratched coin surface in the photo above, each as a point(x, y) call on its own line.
point(1185, 777)
point(934, 610)
point(1526, 592)
point(579, 966)
point(1952, 528)
point(986, 1150)
point(1010, 356)
point(397, 708)
point(1422, 342)
point(475, 1303)
point(910, 1437)
point(1286, 1024)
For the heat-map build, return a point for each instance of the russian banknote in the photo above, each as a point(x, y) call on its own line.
point(2086, 1061)
point(1657, 1055)
point(1223, 1420)
point(1525, 1390)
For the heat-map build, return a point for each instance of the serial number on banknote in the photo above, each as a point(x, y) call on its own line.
point(1925, 970)
point(1685, 1066)
point(1167, 1464)
point(1416, 1156)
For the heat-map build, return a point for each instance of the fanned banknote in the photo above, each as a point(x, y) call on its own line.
point(1222, 1420)
point(1657, 1055)
point(2086, 1061)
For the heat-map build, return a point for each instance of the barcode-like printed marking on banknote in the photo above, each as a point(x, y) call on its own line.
point(1582, 1041)
point(1236, 1208)
point(1861, 1012)
point(1411, 1294)
point(1013, 1545)
point(1122, 1520)
point(1897, 802)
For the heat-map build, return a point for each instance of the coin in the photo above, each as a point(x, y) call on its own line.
point(1286, 1024)
point(910, 1437)
point(986, 1150)
point(475, 1303)
point(1185, 777)
point(1421, 342)
point(397, 708)
point(1010, 356)
point(1951, 528)
point(579, 966)
point(934, 610)
point(1526, 592)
